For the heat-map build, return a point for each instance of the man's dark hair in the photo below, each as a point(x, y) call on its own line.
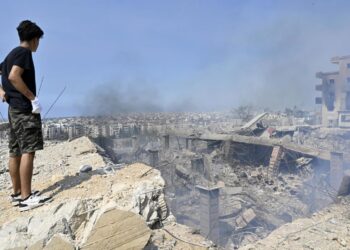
point(28, 30)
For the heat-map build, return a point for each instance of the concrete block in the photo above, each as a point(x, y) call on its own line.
point(117, 229)
point(249, 215)
point(58, 242)
point(245, 218)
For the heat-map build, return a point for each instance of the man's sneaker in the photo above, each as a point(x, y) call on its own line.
point(15, 198)
point(33, 201)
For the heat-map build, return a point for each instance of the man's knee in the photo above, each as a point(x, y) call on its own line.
point(14, 160)
point(28, 156)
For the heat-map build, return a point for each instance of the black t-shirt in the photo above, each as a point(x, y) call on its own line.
point(21, 57)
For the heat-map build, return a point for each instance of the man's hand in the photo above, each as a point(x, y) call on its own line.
point(36, 106)
point(3, 97)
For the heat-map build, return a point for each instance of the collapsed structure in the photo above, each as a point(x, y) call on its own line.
point(237, 187)
point(233, 188)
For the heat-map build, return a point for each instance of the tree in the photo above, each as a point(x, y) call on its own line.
point(244, 112)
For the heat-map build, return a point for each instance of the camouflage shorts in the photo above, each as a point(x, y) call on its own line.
point(25, 132)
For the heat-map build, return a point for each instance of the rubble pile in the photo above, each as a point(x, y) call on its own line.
point(251, 204)
point(127, 202)
point(262, 185)
point(327, 229)
point(232, 185)
point(332, 139)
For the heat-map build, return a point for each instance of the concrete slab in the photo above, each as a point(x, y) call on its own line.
point(117, 229)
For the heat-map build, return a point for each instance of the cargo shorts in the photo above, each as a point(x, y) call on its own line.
point(25, 132)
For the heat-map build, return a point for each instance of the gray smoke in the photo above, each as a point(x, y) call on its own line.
point(273, 64)
point(269, 64)
point(114, 98)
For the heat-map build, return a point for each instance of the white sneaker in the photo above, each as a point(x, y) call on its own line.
point(16, 198)
point(33, 201)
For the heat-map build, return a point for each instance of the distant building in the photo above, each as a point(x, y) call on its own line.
point(105, 130)
point(335, 89)
point(75, 130)
point(53, 131)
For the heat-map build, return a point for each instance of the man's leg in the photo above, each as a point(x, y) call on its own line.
point(14, 163)
point(26, 173)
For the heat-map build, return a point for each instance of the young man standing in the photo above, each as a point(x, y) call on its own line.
point(19, 91)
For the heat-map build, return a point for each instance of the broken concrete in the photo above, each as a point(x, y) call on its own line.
point(245, 218)
point(117, 229)
point(336, 169)
point(59, 242)
point(135, 189)
point(275, 160)
point(327, 229)
point(238, 164)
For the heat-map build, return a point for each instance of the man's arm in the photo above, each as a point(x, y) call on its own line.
point(2, 92)
point(15, 77)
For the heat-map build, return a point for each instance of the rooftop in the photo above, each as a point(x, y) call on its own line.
point(337, 59)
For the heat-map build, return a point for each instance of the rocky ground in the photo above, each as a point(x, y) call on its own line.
point(90, 209)
point(328, 229)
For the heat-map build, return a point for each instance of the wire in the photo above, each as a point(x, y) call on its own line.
point(58, 97)
point(41, 84)
point(188, 242)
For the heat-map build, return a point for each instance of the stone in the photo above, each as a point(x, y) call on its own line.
point(117, 229)
point(249, 215)
point(39, 245)
point(342, 242)
point(158, 238)
point(56, 220)
point(233, 190)
point(182, 172)
point(9, 235)
point(243, 175)
point(195, 231)
point(245, 218)
point(149, 202)
point(149, 208)
point(85, 169)
point(60, 218)
point(59, 242)
point(240, 223)
point(220, 184)
point(233, 178)
point(254, 173)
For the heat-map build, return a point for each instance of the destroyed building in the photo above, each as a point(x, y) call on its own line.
point(237, 186)
point(234, 186)
point(335, 94)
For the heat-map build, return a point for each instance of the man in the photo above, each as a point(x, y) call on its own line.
point(19, 91)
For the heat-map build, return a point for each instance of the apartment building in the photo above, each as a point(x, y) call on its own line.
point(335, 94)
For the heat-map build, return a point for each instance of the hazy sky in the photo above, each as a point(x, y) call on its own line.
point(179, 55)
